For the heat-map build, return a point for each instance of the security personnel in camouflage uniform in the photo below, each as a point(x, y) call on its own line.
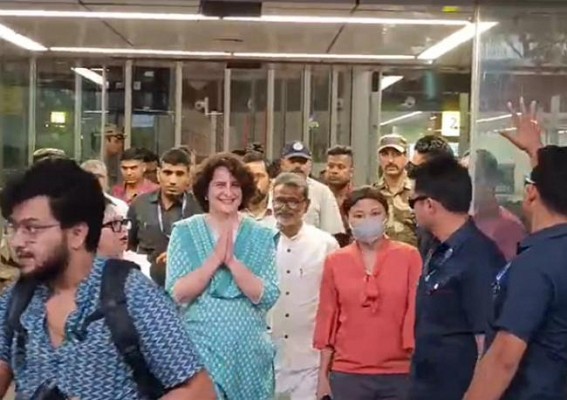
point(395, 185)
point(8, 270)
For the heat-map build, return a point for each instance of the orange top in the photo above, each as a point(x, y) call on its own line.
point(368, 320)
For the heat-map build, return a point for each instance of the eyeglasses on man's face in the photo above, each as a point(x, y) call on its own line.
point(29, 230)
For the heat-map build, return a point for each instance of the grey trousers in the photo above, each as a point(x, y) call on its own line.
point(369, 387)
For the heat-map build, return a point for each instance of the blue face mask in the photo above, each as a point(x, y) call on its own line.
point(369, 230)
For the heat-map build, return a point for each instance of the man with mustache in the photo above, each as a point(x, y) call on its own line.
point(153, 214)
point(259, 207)
point(396, 187)
point(55, 215)
point(301, 253)
point(323, 209)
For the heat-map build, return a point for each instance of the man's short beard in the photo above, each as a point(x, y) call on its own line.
point(55, 265)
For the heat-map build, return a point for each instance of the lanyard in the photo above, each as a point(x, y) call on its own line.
point(447, 254)
point(160, 214)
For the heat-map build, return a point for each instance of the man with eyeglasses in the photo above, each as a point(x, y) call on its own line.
point(455, 291)
point(301, 253)
point(55, 212)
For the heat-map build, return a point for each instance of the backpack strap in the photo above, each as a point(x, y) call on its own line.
point(20, 297)
point(122, 329)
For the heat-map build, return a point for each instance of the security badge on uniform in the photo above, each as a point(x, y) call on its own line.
point(297, 146)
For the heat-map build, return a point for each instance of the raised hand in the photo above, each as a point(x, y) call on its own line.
point(526, 132)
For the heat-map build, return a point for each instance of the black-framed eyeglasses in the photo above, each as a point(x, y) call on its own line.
point(30, 231)
point(117, 225)
point(412, 201)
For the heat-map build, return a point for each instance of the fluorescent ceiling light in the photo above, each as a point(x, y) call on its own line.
point(19, 40)
point(401, 118)
point(153, 52)
point(497, 118)
point(300, 19)
point(180, 53)
point(90, 75)
point(388, 81)
point(324, 56)
point(308, 19)
point(455, 40)
point(107, 15)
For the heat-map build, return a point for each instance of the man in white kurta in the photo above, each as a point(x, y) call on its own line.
point(301, 254)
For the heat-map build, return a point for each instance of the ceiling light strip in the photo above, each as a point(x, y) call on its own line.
point(90, 75)
point(20, 40)
point(299, 19)
point(454, 40)
point(296, 56)
point(401, 118)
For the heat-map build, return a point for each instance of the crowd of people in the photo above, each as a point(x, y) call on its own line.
point(242, 279)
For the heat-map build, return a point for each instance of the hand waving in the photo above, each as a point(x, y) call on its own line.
point(526, 132)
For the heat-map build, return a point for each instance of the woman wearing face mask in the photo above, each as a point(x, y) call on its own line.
point(221, 265)
point(365, 321)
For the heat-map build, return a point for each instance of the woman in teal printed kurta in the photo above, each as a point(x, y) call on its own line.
point(221, 267)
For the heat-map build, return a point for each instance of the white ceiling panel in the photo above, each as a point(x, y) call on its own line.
point(73, 32)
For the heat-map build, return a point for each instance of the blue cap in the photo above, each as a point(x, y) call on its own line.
point(296, 149)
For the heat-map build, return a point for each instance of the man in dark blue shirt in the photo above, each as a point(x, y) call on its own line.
point(454, 293)
point(527, 355)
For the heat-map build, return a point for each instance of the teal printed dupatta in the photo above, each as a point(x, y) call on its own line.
point(251, 248)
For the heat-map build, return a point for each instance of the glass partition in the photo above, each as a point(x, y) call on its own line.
point(14, 129)
point(523, 55)
point(153, 105)
point(202, 107)
point(55, 105)
point(288, 106)
point(248, 99)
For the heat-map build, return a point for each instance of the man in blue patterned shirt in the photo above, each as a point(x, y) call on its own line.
point(54, 213)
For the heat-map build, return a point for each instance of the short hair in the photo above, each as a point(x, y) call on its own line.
point(550, 178)
point(234, 165)
point(150, 156)
point(293, 180)
point(340, 150)
point(432, 146)
point(176, 157)
point(274, 168)
point(361, 193)
point(445, 180)
point(255, 156)
point(486, 167)
point(94, 165)
point(133, 154)
point(74, 195)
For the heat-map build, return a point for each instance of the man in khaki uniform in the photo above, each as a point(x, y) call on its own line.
point(395, 185)
point(8, 271)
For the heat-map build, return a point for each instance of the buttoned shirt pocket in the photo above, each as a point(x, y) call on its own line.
point(308, 280)
point(441, 296)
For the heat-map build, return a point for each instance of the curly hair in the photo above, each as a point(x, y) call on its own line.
point(235, 166)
